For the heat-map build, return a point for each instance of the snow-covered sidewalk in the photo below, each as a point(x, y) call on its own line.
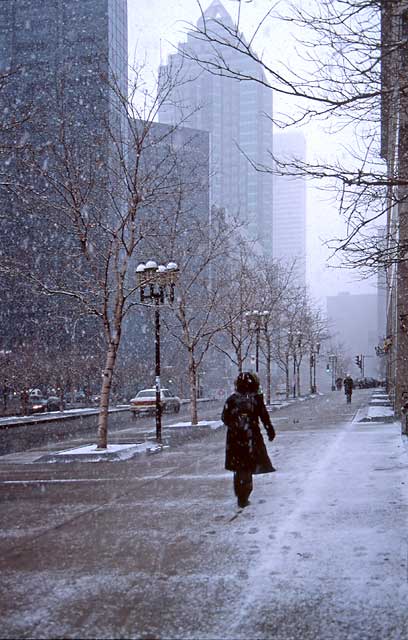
point(160, 545)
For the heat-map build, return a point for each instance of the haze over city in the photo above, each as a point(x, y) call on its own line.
point(204, 319)
point(165, 26)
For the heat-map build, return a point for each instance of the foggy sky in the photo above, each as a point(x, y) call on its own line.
point(155, 28)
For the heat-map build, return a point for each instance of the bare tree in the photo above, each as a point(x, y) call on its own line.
point(290, 346)
point(93, 202)
point(347, 72)
point(275, 284)
point(238, 298)
point(202, 254)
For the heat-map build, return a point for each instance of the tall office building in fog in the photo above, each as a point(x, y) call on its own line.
point(289, 204)
point(235, 113)
point(60, 52)
point(59, 60)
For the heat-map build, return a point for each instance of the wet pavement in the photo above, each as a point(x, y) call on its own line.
point(154, 547)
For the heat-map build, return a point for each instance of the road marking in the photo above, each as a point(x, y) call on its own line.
point(68, 480)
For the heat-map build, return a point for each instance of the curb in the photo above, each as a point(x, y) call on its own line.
point(178, 435)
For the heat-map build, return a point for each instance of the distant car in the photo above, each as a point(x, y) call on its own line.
point(79, 396)
point(75, 397)
point(145, 402)
point(41, 405)
point(366, 383)
point(37, 405)
point(35, 393)
point(54, 403)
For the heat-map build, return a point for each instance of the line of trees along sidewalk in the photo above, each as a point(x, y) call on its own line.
point(347, 73)
point(80, 211)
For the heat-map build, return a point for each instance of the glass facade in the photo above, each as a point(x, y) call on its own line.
point(58, 55)
point(64, 45)
point(236, 115)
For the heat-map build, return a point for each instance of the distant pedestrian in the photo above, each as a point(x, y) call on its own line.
point(339, 384)
point(348, 387)
point(246, 453)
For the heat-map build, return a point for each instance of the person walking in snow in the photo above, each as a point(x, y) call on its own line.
point(348, 387)
point(245, 452)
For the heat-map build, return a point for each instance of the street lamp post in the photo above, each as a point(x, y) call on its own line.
point(299, 338)
point(314, 352)
point(295, 341)
point(257, 321)
point(156, 283)
point(291, 349)
point(333, 366)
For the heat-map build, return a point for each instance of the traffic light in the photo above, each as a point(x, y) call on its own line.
point(328, 367)
point(358, 361)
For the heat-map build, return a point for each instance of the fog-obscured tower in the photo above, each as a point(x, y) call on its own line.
point(59, 61)
point(289, 205)
point(73, 41)
point(236, 115)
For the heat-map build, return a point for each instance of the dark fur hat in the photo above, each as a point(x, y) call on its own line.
point(247, 382)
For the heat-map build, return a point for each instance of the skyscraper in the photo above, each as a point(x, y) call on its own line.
point(236, 115)
point(59, 60)
point(56, 47)
point(289, 205)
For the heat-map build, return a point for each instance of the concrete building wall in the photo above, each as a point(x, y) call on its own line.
point(394, 149)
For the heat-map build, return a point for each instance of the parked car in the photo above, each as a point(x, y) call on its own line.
point(41, 405)
point(75, 397)
point(54, 403)
point(366, 383)
point(145, 402)
point(37, 405)
point(35, 393)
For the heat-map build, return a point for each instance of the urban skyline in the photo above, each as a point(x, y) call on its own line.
point(238, 117)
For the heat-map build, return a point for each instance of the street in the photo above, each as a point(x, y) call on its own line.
point(155, 547)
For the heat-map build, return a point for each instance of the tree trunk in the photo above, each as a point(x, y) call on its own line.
point(268, 371)
point(287, 377)
point(105, 393)
point(298, 377)
point(193, 388)
point(239, 357)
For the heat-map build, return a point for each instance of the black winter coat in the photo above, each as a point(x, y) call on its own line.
point(245, 447)
point(348, 385)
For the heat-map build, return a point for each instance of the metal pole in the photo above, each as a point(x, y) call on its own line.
point(257, 330)
point(294, 374)
point(314, 374)
point(268, 371)
point(287, 375)
point(333, 388)
point(362, 365)
point(158, 387)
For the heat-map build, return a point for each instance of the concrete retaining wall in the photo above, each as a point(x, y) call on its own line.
point(28, 432)
point(32, 433)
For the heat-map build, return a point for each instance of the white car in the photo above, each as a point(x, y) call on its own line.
point(145, 402)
